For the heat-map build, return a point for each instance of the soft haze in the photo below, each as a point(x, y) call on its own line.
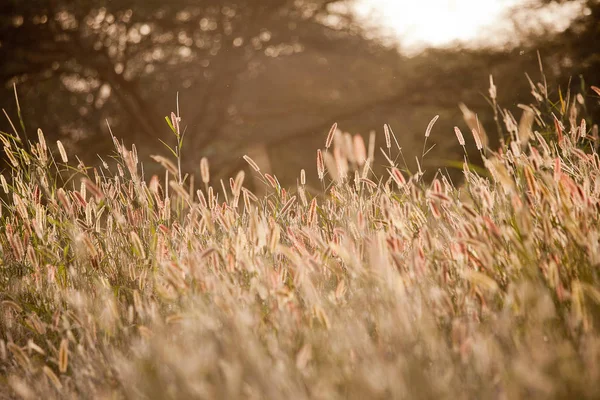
point(442, 22)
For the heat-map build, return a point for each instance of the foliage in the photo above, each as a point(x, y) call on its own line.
point(375, 288)
point(125, 62)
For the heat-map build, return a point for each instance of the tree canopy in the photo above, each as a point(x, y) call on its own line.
point(124, 61)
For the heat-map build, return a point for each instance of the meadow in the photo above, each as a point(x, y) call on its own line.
point(118, 285)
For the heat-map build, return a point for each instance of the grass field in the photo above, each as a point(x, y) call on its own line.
point(116, 285)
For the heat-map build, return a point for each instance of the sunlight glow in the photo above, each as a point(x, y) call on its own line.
point(420, 23)
point(435, 22)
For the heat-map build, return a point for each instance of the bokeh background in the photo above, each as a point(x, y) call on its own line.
point(269, 77)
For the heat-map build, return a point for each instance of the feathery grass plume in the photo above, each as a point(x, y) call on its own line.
point(11, 156)
point(436, 186)
point(389, 160)
point(359, 149)
point(477, 139)
point(4, 184)
point(535, 158)
point(472, 122)
point(130, 162)
point(371, 149)
point(514, 147)
point(304, 356)
point(397, 176)
point(137, 244)
point(134, 155)
point(582, 129)
point(388, 140)
point(25, 157)
point(64, 200)
point(238, 182)
point(543, 143)
point(320, 165)
point(332, 167)
point(369, 183)
point(20, 206)
point(559, 129)
point(419, 170)
point(180, 190)
point(212, 200)
point(154, 185)
point(274, 238)
point(250, 195)
point(287, 206)
point(94, 190)
point(493, 91)
point(175, 123)
point(530, 179)
point(204, 170)
point(393, 135)
point(312, 211)
point(224, 189)
point(430, 125)
point(201, 198)
point(63, 153)
point(348, 148)
point(459, 136)
point(251, 162)
point(366, 168)
point(52, 377)
point(341, 162)
point(277, 184)
point(4, 140)
point(330, 135)
point(42, 140)
point(525, 132)
point(16, 246)
point(302, 194)
point(232, 185)
point(166, 163)
point(557, 169)
point(271, 181)
point(440, 197)
point(63, 356)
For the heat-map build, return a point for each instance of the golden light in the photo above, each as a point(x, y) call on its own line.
point(421, 23)
point(435, 22)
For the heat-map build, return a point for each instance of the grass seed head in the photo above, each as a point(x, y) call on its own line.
point(320, 165)
point(330, 135)
point(459, 136)
point(204, 170)
point(63, 153)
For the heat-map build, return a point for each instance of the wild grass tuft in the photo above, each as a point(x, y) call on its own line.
point(378, 287)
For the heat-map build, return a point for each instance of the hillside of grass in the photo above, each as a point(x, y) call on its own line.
point(114, 284)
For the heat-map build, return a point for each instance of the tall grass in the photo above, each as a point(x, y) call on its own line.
point(114, 286)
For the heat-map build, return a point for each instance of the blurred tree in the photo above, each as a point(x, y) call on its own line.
point(124, 61)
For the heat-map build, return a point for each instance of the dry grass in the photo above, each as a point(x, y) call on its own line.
point(376, 288)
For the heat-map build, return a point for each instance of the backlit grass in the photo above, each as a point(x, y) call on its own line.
point(117, 285)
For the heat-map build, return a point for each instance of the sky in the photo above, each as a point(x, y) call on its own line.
point(438, 22)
